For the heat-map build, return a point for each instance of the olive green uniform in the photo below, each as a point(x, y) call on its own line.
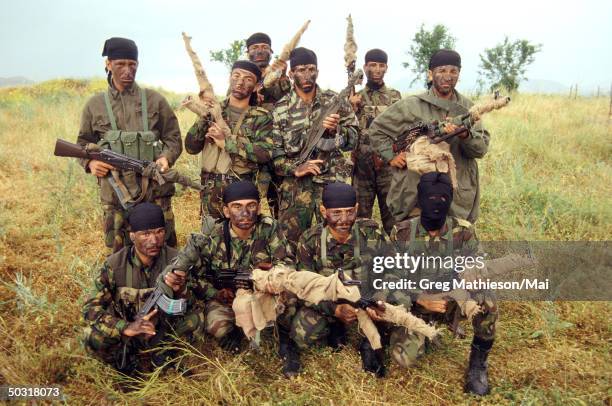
point(395, 120)
point(162, 139)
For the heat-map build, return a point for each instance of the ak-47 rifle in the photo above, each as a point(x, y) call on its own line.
point(272, 76)
point(148, 169)
point(436, 131)
point(315, 141)
point(350, 51)
point(232, 279)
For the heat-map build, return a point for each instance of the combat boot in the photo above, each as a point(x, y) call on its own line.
point(289, 353)
point(477, 378)
point(372, 360)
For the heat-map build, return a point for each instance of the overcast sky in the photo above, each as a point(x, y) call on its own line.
point(63, 38)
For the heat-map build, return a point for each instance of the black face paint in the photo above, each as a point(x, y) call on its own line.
point(341, 221)
point(242, 85)
point(149, 242)
point(243, 216)
point(445, 78)
point(260, 57)
point(305, 77)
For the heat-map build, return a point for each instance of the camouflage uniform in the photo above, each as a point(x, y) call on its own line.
point(312, 322)
point(120, 290)
point(252, 148)
point(402, 196)
point(128, 110)
point(372, 176)
point(299, 197)
point(457, 238)
point(267, 181)
point(208, 252)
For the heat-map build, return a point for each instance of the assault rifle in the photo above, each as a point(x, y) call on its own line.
point(436, 130)
point(147, 169)
point(232, 279)
point(363, 302)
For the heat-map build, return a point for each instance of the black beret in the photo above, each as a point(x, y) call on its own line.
point(120, 48)
point(146, 216)
point(445, 57)
point(376, 55)
point(248, 65)
point(258, 38)
point(240, 191)
point(339, 195)
point(302, 56)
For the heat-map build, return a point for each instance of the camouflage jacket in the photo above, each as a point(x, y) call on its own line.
point(355, 262)
point(115, 300)
point(127, 109)
point(402, 193)
point(252, 147)
point(207, 253)
point(292, 121)
point(457, 239)
point(374, 102)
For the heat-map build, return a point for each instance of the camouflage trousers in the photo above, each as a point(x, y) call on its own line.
point(299, 202)
point(220, 319)
point(267, 183)
point(212, 195)
point(110, 349)
point(406, 348)
point(372, 182)
point(115, 225)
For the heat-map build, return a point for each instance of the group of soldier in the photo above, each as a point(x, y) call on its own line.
point(316, 222)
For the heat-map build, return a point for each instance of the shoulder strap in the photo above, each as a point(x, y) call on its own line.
point(129, 273)
point(449, 236)
point(109, 111)
point(453, 108)
point(145, 113)
point(324, 247)
point(227, 240)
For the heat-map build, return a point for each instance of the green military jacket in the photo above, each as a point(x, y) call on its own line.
point(374, 102)
point(127, 109)
point(207, 254)
point(117, 297)
point(251, 148)
point(293, 119)
point(402, 197)
point(318, 251)
point(457, 238)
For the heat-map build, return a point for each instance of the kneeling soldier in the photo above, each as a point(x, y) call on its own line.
point(242, 241)
point(433, 234)
point(115, 334)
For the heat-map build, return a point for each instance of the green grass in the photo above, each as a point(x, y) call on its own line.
point(546, 177)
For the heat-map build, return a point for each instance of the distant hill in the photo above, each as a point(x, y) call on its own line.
point(15, 81)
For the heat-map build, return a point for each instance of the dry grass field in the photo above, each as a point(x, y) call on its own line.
point(546, 177)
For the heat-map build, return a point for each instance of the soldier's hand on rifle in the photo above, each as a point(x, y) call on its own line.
point(309, 168)
point(176, 280)
point(450, 127)
point(225, 296)
point(99, 168)
point(216, 134)
point(331, 122)
point(163, 164)
point(435, 305)
point(346, 313)
point(356, 102)
point(141, 326)
point(399, 161)
point(376, 313)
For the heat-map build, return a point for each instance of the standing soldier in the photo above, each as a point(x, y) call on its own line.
point(435, 234)
point(439, 102)
point(244, 240)
point(115, 333)
point(252, 148)
point(372, 176)
point(296, 119)
point(344, 242)
point(136, 122)
point(259, 49)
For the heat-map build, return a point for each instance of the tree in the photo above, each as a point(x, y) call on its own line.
point(425, 43)
point(229, 55)
point(505, 65)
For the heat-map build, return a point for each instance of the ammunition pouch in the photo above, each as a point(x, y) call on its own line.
point(144, 145)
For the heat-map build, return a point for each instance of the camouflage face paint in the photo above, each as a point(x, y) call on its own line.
point(445, 78)
point(242, 83)
point(123, 71)
point(341, 220)
point(260, 55)
point(149, 243)
point(305, 77)
point(375, 71)
point(243, 213)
